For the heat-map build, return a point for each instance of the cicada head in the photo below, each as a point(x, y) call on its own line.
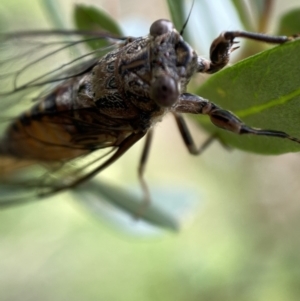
point(173, 62)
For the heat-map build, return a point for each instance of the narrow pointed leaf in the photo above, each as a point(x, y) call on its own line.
point(94, 192)
point(53, 10)
point(243, 14)
point(176, 9)
point(94, 19)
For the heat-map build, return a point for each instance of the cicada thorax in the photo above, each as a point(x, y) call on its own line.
point(121, 84)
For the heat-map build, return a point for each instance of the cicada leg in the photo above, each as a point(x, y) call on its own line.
point(122, 149)
point(221, 118)
point(224, 45)
point(188, 139)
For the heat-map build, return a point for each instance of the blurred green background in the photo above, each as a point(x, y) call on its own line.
point(238, 241)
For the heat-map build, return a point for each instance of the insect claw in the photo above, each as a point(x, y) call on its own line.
point(234, 48)
point(294, 36)
point(294, 139)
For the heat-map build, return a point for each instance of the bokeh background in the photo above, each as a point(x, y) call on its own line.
point(239, 227)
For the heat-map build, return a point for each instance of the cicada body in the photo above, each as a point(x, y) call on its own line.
point(102, 103)
point(111, 102)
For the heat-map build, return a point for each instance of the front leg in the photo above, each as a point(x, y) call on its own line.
point(223, 45)
point(193, 104)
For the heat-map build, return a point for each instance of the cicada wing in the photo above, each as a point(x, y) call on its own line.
point(24, 181)
point(31, 65)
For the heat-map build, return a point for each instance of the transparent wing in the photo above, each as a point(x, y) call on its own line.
point(34, 180)
point(31, 65)
point(33, 62)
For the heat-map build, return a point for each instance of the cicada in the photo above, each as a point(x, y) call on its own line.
point(105, 101)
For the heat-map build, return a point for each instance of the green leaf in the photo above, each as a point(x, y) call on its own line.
point(54, 11)
point(178, 16)
point(94, 19)
point(261, 11)
point(255, 14)
point(243, 14)
point(94, 194)
point(264, 91)
point(176, 8)
point(290, 23)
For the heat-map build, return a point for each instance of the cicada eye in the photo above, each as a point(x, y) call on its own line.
point(164, 91)
point(160, 27)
